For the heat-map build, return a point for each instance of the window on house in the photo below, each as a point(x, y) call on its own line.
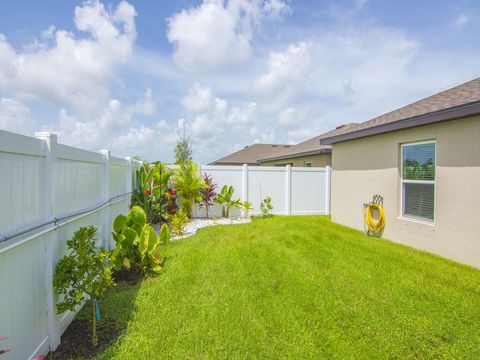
point(418, 180)
point(307, 163)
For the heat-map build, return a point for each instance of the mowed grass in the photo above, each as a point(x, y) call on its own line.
point(298, 288)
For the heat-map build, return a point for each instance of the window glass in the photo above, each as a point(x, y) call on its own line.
point(418, 180)
point(419, 161)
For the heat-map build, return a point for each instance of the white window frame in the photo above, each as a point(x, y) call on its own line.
point(307, 162)
point(430, 182)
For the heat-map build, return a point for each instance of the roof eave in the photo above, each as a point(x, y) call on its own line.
point(453, 113)
point(295, 155)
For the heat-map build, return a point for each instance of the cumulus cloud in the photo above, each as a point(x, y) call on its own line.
point(218, 33)
point(73, 71)
point(198, 99)
point(15, 117)
point(106, 127)
point(287, 73)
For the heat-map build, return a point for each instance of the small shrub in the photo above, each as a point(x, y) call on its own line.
point(178, 222)
point(246, 207)
point(137, 244)
point(188, 184)
point(207, 193)
point(226, 201)
point(82, 275)
point(266, 207)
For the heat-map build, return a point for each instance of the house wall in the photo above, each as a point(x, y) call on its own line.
point(319, 160)
point(368, 166)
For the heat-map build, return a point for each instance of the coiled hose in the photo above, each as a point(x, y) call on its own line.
point(374, 226)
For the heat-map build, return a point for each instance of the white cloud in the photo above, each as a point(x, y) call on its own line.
point(73, 71)
point(145, 106)
point(15, 117)
point(198, 99)
point(215, 33)
point(286, 75)
point(276, 8)
point(109, 124)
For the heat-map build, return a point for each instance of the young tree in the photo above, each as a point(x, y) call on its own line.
point(183, 149)
point(83, 275)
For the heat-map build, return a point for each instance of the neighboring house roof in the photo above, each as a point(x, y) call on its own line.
point(251, 154)
point(458, 102)
point(309, 147)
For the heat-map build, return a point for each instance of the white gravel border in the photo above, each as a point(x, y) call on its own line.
point(192, 227)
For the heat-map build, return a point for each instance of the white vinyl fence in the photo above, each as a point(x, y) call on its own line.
point(49, 190)
point(293, 190)
point(54, 189)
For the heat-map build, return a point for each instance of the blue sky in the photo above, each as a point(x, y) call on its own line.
point(125, 75)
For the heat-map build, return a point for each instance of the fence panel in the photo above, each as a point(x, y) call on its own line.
point(48, 191)
point(293, 190)
point(308, 199)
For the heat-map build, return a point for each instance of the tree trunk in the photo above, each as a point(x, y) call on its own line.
point(94, 324)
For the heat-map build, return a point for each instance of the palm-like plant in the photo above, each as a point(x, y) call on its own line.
point(188, 184)
point(207, 193)
point(226, 201)
point(246, 207)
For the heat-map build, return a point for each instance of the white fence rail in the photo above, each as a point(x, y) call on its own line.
point(56, 189)
point(51, 190)
point(293, 190)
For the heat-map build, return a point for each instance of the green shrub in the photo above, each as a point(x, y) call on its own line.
point(188, 184)
point(151, 189)
point(178, 222)
point(137, 244)
point(82, 275)
point(207, 193)
point(266, 207)
point(226, 201)
point(246, 207)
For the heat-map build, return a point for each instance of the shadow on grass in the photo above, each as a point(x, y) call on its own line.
point(116, 310)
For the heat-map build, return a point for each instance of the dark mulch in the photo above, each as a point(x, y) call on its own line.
point(126, 278)
point(77, 339)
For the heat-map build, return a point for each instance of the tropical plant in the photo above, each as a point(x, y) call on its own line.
point(188, 184)
point(226, 201)
point(152, 184)
point(177, 222)
point(266, 207)
point(207, 193)
point(137, 244)
point(82, 275)
point(246, 206)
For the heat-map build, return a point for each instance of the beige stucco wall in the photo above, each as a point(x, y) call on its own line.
point(368, 166)
point(320, 160)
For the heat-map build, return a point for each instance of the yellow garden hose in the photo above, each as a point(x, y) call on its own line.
point(373, 225)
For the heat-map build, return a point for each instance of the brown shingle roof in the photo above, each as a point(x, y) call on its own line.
point(459, 101)
point(310, 146)
point(251, 154)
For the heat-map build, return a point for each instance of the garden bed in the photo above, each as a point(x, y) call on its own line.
point(196, 224)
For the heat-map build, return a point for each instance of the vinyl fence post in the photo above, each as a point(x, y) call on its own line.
point(130, 175)
point(288, 190)
point(328, 188)
point(245, 182)
point(50, 213)
point(105, 243)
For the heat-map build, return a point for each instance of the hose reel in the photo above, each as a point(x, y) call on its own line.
point(372, 225)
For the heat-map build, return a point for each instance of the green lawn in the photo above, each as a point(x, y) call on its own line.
point(295, 288)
